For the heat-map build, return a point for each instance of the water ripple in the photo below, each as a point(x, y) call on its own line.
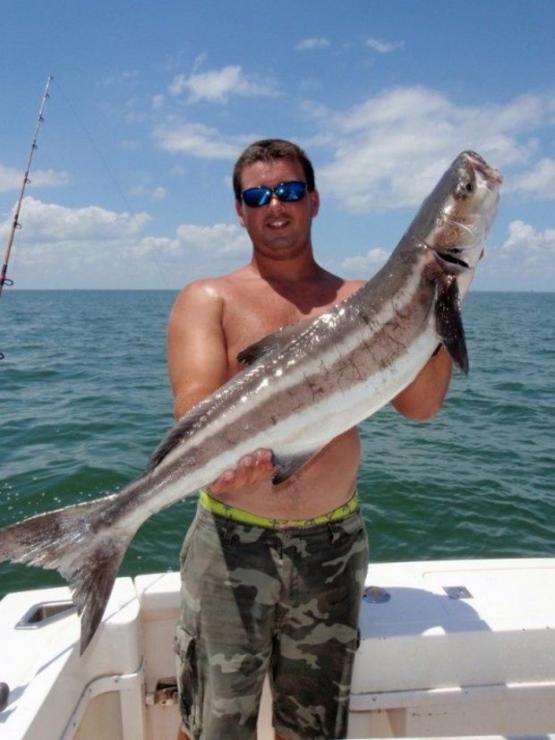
point(84, 404)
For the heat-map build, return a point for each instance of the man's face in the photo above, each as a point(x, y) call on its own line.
point(278, 229)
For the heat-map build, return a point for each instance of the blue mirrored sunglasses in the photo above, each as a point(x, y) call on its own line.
point(287, 192)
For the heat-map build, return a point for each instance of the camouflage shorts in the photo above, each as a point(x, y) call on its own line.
point(256, 601)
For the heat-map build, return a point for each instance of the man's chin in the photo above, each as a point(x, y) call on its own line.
point(282, 249)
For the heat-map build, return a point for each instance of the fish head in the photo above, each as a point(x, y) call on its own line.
point(464, 204)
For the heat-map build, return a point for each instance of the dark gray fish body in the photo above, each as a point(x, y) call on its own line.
point(303, 386)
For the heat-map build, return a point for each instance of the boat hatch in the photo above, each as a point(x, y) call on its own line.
point(45, 612)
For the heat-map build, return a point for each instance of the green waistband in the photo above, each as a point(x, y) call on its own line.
point(212, 504)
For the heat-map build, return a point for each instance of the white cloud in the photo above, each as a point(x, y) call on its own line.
point(159, 193)
point(143, 191)
point(315, 42)
point(390, 150)
point(539, 182)
point(48, 222)
point(95, 247)
point(384, 47)
point(218, 239)
point(217, 85)
point(158, 101)
point(209, 244)
point(525, 260)
point(198, 140)
point(75, 247)
point(366, 264)
point(533, 249)
point(11, 178)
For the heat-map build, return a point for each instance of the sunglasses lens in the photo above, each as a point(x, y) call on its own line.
point(255, 197)
point(291, 191)
point(288, 192)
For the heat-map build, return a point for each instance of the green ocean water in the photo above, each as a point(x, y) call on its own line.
point(84, 400)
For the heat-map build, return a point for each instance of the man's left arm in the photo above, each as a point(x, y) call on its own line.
point(424, 396)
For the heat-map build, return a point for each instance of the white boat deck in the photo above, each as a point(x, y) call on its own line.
point(448, 649)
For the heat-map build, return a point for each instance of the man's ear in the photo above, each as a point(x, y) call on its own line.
point(239, 211)
point(315, 202)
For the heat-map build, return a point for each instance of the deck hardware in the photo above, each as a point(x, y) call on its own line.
point(44, 613)
point(457, 592)
point(165, 693)
point(376, 595)
point(4, 695)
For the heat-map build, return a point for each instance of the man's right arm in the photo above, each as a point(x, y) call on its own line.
point(197, 359)
point(197, 363)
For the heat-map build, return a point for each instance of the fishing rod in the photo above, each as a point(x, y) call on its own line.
point(16, 224)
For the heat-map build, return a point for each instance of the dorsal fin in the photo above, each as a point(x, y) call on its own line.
point(273, 342)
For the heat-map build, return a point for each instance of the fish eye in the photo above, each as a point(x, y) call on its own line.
point(463, 189)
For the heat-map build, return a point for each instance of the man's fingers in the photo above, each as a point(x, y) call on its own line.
point(247, 463)
point(223, 481)
point(248, 471)
point(264, 457)
point(228, 476)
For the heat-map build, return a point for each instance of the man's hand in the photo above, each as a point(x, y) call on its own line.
point(249, 470)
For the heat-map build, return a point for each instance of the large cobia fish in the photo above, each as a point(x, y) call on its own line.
point(303, 386)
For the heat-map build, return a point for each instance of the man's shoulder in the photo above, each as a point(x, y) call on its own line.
point(208, 288)
point(196, 298)
point(208, 294)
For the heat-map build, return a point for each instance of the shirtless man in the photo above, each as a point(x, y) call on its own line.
point(262, 591)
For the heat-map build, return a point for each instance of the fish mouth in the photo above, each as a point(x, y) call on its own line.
point(492, 176)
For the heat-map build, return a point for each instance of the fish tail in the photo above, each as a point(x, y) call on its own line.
point(77, 542)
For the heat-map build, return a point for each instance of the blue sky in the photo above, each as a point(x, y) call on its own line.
point(152, 102)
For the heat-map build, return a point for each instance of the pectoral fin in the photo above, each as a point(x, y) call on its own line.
point(287, 465)
point(449, 323)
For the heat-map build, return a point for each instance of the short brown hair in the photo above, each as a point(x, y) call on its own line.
point(266, 150)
